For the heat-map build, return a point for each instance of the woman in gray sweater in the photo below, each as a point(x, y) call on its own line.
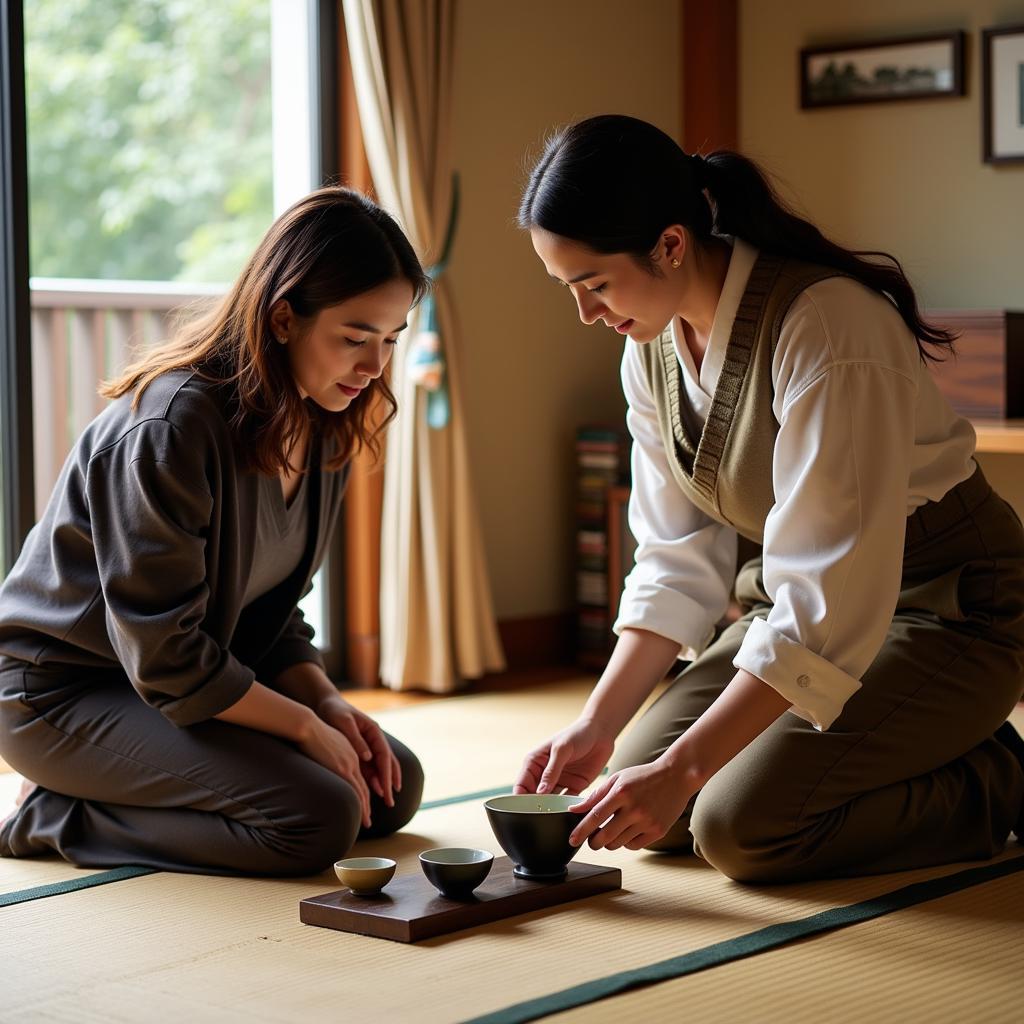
point(159, 688)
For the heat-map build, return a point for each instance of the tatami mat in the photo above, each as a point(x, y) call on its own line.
point(956, 959)
point(478, 742)
point(168, 946)
point(227, 946)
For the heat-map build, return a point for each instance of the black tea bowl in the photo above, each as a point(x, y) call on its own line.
point(456, 871)
point(534, 829)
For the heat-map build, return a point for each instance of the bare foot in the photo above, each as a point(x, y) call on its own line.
point(27, 788)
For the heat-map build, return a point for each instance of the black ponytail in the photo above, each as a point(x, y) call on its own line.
point(614, 183)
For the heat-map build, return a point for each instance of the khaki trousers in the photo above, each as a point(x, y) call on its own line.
point(909, 775)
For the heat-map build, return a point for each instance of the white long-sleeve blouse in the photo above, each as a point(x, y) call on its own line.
point(864, 439)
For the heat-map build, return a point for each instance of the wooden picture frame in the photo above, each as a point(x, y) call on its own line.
point(919, 67)
point(1002, 94)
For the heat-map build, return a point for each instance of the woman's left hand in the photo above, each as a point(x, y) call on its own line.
point(633, 808)
point(380, 766)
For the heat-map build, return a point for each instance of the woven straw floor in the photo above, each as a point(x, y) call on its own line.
point(195, 948)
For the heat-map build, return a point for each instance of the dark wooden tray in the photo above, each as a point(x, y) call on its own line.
point(410, 908)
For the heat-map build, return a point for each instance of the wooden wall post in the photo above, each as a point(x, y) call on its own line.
point(710, 75)
point(364, 499)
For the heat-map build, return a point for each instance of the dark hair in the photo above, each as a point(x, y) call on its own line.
point(614, 183)
point(327, 248)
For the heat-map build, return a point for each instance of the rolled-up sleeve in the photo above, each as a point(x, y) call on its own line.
point(833, 541)
point(150, 511)
point(685, 561)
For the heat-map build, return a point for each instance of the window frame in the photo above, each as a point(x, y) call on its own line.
point(16, 453)
point(315, 86)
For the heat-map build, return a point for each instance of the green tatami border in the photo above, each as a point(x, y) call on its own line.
point(480, 794)
point(39, 892)
point(123, 873)
point(750, 944)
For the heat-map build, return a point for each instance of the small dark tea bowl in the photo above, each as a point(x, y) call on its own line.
point(456, 871)
point(534, 830)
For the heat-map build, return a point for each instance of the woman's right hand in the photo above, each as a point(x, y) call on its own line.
point(570, 760)
point(331, 748)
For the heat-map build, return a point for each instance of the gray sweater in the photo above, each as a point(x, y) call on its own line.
point(140, 562)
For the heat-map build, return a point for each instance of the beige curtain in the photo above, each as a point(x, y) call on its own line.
point(437, 617)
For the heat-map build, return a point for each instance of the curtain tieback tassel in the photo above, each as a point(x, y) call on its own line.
point(426, 363)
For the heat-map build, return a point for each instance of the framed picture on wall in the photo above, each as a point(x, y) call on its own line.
point(922, 67)
point(1002, 95)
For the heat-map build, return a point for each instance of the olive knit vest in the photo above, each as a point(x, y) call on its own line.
point(727, 471)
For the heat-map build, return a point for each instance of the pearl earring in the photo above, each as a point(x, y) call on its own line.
point(675, 262)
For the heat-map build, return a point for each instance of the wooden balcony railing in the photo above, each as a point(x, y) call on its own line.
point(84, 332)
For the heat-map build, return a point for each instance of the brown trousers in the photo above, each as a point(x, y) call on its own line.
point(909, 774)
point(120, 784)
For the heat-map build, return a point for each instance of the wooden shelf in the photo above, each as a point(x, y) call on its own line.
point(1006, 436)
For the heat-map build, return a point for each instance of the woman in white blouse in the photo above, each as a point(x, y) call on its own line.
point(853, 719)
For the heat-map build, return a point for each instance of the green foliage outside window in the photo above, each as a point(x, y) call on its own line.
point(149, 137)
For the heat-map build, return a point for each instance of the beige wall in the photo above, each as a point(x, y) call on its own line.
point(531, 372)
point(904, 177)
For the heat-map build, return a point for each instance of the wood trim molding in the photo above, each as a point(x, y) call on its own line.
point(540, 641)
point(352, 163)
point(710, 75)
point(618, 503)
point(364, 499)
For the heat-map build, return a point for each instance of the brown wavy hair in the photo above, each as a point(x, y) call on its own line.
point(327, 248)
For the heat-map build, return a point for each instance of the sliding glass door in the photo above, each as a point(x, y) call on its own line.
point(152, 166)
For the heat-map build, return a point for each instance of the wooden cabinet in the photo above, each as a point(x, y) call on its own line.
point(984, 378)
